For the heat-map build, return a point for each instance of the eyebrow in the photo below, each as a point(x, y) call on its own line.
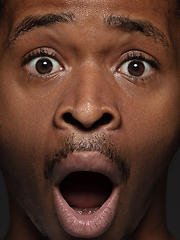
point(125, 23)
point(144, 27)
point(31, 22)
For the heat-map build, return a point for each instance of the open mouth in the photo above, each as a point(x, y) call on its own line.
point(86, 192)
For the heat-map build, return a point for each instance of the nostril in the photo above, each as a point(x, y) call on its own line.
point(105, 119)
point(68, 118)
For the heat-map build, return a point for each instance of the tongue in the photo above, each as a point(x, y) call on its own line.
point(86, 189)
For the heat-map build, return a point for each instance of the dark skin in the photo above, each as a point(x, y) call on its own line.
point(90, 90)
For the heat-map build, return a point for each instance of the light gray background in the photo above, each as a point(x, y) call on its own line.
point(173, 200)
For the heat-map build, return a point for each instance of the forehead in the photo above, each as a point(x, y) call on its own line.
point(147, 9)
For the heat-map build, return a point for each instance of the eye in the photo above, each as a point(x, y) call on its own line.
point(43, 66)
point(136, 68)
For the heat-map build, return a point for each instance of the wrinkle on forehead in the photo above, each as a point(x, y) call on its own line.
point(96, 5)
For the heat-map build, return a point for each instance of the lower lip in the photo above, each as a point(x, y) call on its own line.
point(86, 226)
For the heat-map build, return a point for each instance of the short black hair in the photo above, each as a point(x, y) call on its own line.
point(178, 9)
point(2, 7)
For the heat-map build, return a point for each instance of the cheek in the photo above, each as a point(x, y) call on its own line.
point(22, 146)
point(26, 127)
point(149, 137)
point(153, 122)
point(153, 140)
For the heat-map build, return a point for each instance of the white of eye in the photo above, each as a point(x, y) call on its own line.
point(136, 68)
point(44, 65)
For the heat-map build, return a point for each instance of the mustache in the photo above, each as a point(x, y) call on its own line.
point(94, 143)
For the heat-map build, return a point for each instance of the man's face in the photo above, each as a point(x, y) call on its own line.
point(89, 102)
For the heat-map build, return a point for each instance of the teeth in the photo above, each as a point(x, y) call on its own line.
point(86, 211)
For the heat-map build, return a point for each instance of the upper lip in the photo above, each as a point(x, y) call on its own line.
point(86, 161)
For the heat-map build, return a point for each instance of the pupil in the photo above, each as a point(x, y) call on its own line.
point(136, 68)
point(44, 66)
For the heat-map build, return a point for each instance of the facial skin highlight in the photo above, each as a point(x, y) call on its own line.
point(89, 93)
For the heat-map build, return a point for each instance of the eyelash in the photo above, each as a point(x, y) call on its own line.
point(139, 56)
point(41, 52)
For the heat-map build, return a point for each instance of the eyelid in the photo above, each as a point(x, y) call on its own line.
point(139, 56)
point(40, 53)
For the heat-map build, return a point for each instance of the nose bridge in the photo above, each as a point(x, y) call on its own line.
point(90, 81)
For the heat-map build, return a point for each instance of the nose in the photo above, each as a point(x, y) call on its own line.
point(89, 103)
